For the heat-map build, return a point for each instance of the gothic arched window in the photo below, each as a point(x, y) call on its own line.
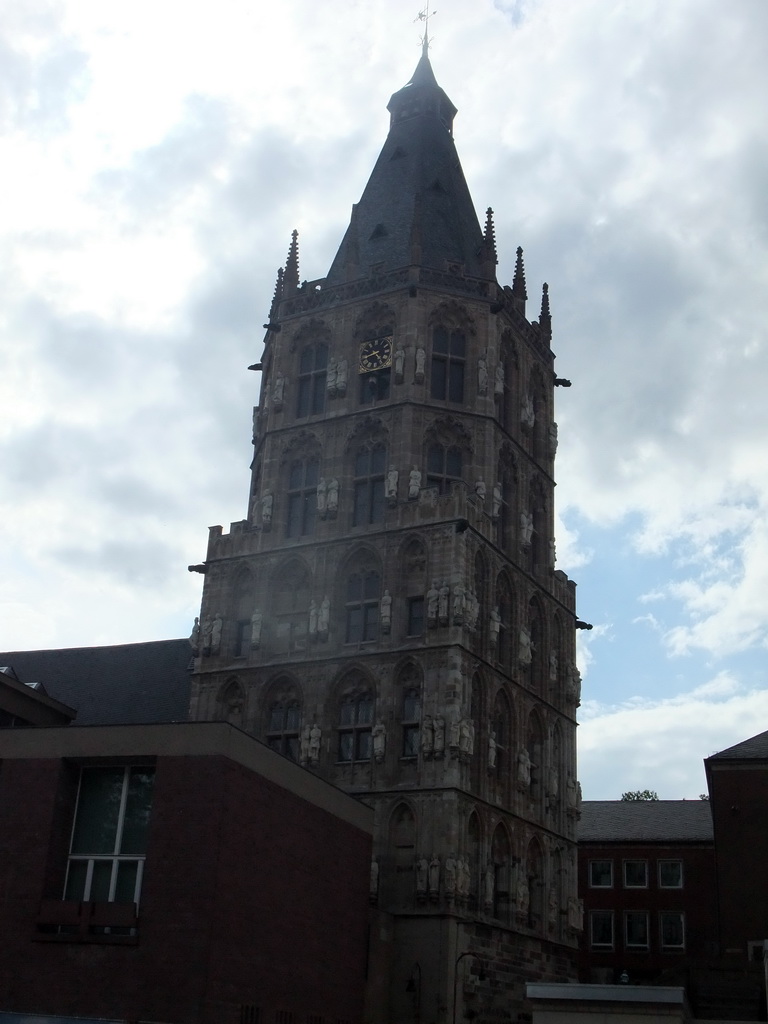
point(362, 607)
point(310, 395)
point(443, 467)
point(283, 727)
point(302, 497)
point(368, 501)
point(449, 349)
point(355, 723)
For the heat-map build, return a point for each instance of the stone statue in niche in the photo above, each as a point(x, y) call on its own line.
point(278, 391)
point(482, 375)
point(379, 735)
point(523, 895)
point(473, 610)
point(422, 876)
point(322, 497)
point(439, 730)
point(492, 751)
point(458, 603)
point(450, 876)
point(524, 765)
point(553, 439)
point(313, 613)
point(427, 736)
point(342, 373)
point(399, 364)
point(526, 529)
point(414, 484)
point(315, 736)
point(527, 413)
point(256, 623)
point(434, 875)
point(553, 663)
point(421, 359)
point(552, 908)
point(525, 650)
point(498, 500)
point(489, 886)
point(464, 877)
point(571, 794)
point(266, 510)
point(390, 485)
point(433, 596)
point(442, 603)
point(553, 784)
point(480, 489)
point(494, 626)
point(386, 612)
point(573, 685)
point(454, 729)
point(465, 736)
point(331, 374)
point(332, 498)
point(216, 628)
point(498, 381)
point(324, 617)
point(552, 554)
point(194, 637)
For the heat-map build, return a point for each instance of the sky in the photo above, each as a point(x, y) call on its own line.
point(154, 160)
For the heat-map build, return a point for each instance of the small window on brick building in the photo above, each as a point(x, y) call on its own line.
point(635, 874)
point(109, 838)
point(601, 929)
point(601, 874)
point(672, 929)
point(670, 874)
point(636, 929)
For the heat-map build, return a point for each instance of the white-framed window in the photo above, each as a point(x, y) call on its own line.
point(636, 929)
point(601, 874)
point(601, 929)
point(109, 836)
point(670, 874)
point(635, 874)
point(672, 929)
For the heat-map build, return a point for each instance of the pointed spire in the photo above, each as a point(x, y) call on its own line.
point(277, 296)
point(291, 277)
point(519, 292)
point(489, 238)
point(545, 318)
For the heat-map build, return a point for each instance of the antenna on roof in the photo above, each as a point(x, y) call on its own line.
point(424, 15)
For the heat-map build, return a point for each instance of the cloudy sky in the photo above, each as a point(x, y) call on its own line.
point(155, 157)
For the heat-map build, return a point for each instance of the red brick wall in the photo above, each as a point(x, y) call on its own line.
point(251, 896)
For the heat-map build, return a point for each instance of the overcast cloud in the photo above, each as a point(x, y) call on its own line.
point(155, 160)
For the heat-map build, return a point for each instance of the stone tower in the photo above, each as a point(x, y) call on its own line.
point(389, 614)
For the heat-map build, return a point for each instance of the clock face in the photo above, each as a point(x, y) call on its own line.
point(375, 354)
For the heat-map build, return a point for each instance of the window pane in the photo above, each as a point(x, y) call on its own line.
point(292, 747)
point(311, 475)
point(321, 357)
point(346, 742)
point(637, 928)
point(377, 501)
point(100, 880)
point(378, 459)
point(410, 741)
point(601, 922)
point(309, 513)
point(435, 459)
point(364, 710)
point(635, 874)
point(98, 808)
point(411, 706)
point(318, 393)
point(295, 476)
point(440, 340)
point(354, 625)
point(456, 382)
point(347, 713)
point(137, 809)
point(415, 616)
point(672, 933)
point(292, 716)
point(355, 587)
point(76, 877)
point(360, 509)
point(458, 344)
point(276, 718)
point(453, 462)
point(361, 463)
point(601, 873)
point(437, 387)
point(364, 745)
point(125, 887)
point(302, 403)
point(371, 622)
point(372, 586)
point(670, 874)
point(307, 361)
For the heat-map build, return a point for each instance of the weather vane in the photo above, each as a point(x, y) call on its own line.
point(424, 15)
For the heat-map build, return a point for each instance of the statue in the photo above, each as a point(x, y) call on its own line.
point(489, 885)
point(421, 359)
point(552, 907)
point(492, 750)
point(526, 529)
point(432, 600)
point(399, 364)
point(480, 489)
point(525, 652)
point(454, 729)
point(414, 484)
point(313, 618)
point(552, 554)
point(332, 498)
point(194, 637)
point(495, 626)
point(390, 486)
point(322, 492)
point(553, 784)
point(205, 635)
point(573, 685)
point(216, 627)
point(331, 373)
point(571, 794)
point(473, 610)
point(458, 602)
point(498, 382)
point(277, 391)
point(373, 891)
point(553, 439)
point(553, 666)
point(439, 729)
point(266, 509)
point(523, 895)
point(256, 621)
point(464, 877)
point(323, 618)
point(524, 765)
point(304, 745)
point(427, 736)
point(527, 413)
point(315, 735)
point(341, 377)
point(434, 875)
point(498, 500)
point(422, 876)
point(379, 734)
point(386, 611)
point(442, 603)
point(450, 875)
point(482, 375)
point(465, 735)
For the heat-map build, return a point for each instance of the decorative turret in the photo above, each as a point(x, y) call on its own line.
point(519, 293)
point(545, 318)
point(277, 296)
point(291, 276)
point(489, 242)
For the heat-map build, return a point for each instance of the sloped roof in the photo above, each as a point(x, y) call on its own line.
point(753, 749)
point(119, 685)
point(653, 821)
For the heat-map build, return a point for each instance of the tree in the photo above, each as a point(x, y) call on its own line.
point(640, 794)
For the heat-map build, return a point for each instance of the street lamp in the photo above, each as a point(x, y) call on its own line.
point(481, 976)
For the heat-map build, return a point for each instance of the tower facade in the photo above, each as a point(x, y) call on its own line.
point(389, 614)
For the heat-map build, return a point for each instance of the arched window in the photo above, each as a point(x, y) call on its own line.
point(232, 702)
point(313, 363)
point(362, 607)
point(411, 721)
point(283, 727)
point(368, 502)
point(500, 858)
point(355, 723)
point(302, 497)
point(447, 371)
point(443, 467)
point(289, 608)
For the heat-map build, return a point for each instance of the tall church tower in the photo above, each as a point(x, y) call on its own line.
point(389, 614)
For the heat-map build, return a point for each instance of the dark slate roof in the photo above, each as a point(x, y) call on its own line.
point(653, 821)
point(121, 685)
point(754, 749)
point(417, 193)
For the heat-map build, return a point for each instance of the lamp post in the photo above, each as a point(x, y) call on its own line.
point(459, 958)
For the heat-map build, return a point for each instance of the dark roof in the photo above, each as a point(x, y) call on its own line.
point(416, 207)
point(121, 685)
point(653, 821)
point(753, 749)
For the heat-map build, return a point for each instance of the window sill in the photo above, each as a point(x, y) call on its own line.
point(87, 921)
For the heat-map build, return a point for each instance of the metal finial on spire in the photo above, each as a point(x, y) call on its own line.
point(424, 15)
